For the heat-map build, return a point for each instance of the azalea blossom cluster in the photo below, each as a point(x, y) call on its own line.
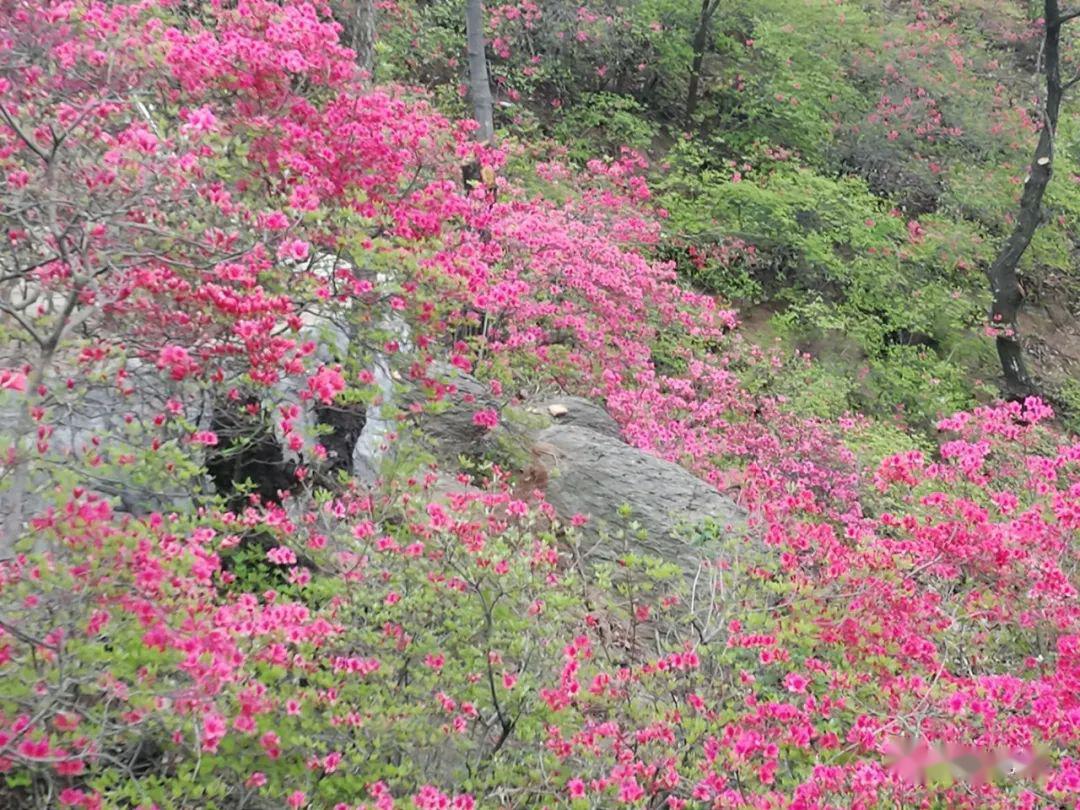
point(187, 191)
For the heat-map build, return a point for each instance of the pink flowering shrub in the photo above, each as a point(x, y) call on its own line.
point(192, 189)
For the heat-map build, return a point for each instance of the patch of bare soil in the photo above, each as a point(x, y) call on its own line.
point(1051, 336)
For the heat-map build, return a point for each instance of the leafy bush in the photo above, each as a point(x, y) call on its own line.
point(603, 124)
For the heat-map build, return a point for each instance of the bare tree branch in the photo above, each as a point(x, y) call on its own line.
point(40, 341)
point(33, 147)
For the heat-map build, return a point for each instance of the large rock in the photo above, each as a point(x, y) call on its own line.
point(579, 412)
point(447, 428)
point(93, 415)
point(594, 474)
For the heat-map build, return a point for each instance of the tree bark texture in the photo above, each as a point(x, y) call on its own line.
point(479, 84)
point(357, 18)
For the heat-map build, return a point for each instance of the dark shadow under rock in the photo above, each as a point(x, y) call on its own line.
point(247, 452)
point(346, 423)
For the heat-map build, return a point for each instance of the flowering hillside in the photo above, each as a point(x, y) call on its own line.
point(231, 257)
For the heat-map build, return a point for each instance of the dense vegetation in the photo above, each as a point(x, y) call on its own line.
point(846, 172)
point(757, 232)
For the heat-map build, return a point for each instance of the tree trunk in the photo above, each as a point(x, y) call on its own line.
point(701, 41)
point(363, 38)
point(479, 85)
point(357, 19)
point(1004, 285)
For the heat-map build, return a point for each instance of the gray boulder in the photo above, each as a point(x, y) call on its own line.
point(579, 412)
point(594, 474)
point(447, 428)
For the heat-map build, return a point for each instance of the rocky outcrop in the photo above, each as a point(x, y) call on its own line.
point(585, 467)
point(447, 428)
point(96, 413)
point(578, 412)
point(594, 474)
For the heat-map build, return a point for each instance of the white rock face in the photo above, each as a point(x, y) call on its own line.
point(371, 447)
point(92, 418)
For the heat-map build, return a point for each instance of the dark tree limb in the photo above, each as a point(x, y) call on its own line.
point(1005, 289)
point(26, 139)
point(699, 46)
